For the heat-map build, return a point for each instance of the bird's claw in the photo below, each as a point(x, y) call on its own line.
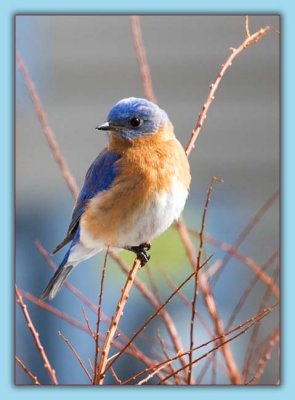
point(141, 252)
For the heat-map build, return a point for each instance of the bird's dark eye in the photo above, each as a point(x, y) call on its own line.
point(135, 122)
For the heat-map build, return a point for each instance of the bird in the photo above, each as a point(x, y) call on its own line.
point(132, 192)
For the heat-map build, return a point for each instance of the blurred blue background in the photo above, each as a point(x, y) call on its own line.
point(81, 66)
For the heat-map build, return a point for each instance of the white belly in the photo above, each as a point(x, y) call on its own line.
point(154, 219)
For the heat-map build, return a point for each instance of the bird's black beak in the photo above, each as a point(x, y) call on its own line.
point(105, 127)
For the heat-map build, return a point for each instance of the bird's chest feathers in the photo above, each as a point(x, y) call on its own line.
point(148, 194)
point(155, 216)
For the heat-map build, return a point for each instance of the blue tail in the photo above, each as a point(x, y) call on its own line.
point(57, 280)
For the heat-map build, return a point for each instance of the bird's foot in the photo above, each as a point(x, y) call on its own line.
point(141, 252)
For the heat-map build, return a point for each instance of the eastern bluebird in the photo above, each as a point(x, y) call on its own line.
point(133, 191)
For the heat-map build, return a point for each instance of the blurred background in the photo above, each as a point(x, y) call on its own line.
point(81, 66)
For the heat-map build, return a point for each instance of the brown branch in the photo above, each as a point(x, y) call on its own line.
point(74, 351)
point(184, 299)
point(247, 30)
point(222, 343)
point(197, 269)
point(35, 334)
point(117, 379)
point(47, 307)
point(142, 59)
point(27, 371)
point(154, 286)
point(232, 368)
point(252, 341)
point(97, 347)
point(88, 324)
point(134, 350)
point(156, 370)
point(238, 307)
point(152, 317)
point(114, 323)
point(245, 232)
point(274, 338)
point(213, 87)
point(164, 350)
point(51, 140)
point(249, 262)
point(164, 315)
point(261, 314)
point(248, 290)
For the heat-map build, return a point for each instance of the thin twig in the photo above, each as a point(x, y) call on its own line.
point(213, 87)
point(261, 314)
point(93, 335)
point(97, 347)
point(117, 379)
point(274, 338)
point(154, 287)
point(252, 341)
point(249, 262)
point(164, 350)
point(156, 370)
point(247, 30)
point(74, 351)
point(142, 59)
point(238, 307)
point(134, 350)
point(245, 232)
point(164, 314)
point(152, 317)
point(114, 323)
point(48, 132)
point(222, 343)
point(197, 269)
point(27, 371)
point(184, 299)
point(205, 287)
point(47, 307)
point(248, 290)
point(35, 334)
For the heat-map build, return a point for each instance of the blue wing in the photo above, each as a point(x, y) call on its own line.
point(99, 177)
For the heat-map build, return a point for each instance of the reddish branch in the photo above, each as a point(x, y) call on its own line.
point(134, 350)
point(246, 324)
point(153, 316)
point(74, 351)
point(252, 341)
point(35, 334)
point(47, 307)
point(206, 290)
point(100, 375)
point(249, 262)
point(266, 356)
point(249, 289)
point(245, 232)
point(223, 342)
point(142, 59)
point(51, 140)
point(164, 314)
point(197, 269)
point(97, 348)
point(185, 300)
point(27, 371)
point(213, 87)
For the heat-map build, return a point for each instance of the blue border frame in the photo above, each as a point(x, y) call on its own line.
point(287, 10)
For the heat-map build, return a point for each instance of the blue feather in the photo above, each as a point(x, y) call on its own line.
point(99, 177)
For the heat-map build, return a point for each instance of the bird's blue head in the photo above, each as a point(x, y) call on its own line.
point(132, 118)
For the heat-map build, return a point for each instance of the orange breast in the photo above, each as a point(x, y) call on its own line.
point(147, 167)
